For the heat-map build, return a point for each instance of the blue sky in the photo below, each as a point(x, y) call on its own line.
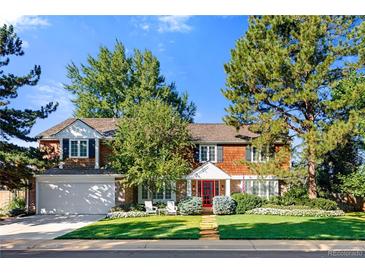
point(192, 51)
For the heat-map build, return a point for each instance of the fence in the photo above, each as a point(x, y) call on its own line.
point(7, 196)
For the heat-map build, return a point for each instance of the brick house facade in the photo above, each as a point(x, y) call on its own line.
point(82, 183)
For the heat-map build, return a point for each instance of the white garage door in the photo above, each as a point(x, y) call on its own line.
point(77, 195)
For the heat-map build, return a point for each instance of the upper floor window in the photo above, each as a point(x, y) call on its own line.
point(79, 148)
point(208, 153)
point(259, 155)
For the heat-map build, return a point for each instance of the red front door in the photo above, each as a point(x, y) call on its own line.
point(207, 193)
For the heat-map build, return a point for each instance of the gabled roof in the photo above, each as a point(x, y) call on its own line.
point(200, 132)
point(105, 126)
point(208, 171)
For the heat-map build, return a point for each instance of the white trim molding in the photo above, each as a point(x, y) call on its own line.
point(78, 140)
point(208, 171)
point(97, 153)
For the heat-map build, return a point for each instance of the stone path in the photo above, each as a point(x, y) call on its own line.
point(209, 228)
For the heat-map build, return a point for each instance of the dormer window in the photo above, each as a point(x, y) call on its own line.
point(79, 148)
point(208, 153)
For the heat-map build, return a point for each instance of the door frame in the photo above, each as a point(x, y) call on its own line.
point(213, 184)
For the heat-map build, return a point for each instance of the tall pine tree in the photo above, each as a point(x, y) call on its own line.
point(282, 77)
point(110, 84)
point(16, 163)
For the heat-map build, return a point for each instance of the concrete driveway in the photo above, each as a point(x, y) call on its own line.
point(43, 226)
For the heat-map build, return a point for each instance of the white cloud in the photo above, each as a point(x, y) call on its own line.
point(52, 92)
point(22, 22)
point(145, 26)
point(172, 23)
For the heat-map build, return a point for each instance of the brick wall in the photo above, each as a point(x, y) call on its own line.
point(124, 194)
point(105, 153)
point(52, 147)
point(79, 162)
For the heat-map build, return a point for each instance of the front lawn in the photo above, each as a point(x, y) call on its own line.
point(152, 227)
point(349, 227)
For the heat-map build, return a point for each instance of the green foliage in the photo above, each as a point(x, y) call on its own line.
point(126, 207)
point(290, 77)
point(246, 202)
point(191, 206)
point(322, 203)
point(17, 203)
point(150, 146)
point(354, 183)
point(343, 160)
point(17, 163)
point(110, 84)
point(297, 197)
point(223, 205)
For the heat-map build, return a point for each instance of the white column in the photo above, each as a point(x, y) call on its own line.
point(243, 186)
point(228, 187)
point(188, 188)
point(61, 153)
point(97, 154)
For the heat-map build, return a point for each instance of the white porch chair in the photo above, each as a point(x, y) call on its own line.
point(171, 208)
point(150, 209)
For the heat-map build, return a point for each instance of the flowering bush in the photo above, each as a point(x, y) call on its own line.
point(191, 206)
point(296, 212)
point(223, 205)
point(124, 214)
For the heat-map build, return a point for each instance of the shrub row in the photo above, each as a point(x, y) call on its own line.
point(191, 206)
point(296, 212)
point(246, 202)
point(124, 214)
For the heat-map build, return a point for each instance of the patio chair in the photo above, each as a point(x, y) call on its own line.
point(171, 208)
point(150, 209)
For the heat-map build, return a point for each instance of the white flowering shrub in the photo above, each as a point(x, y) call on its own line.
point(223, 205)
point(124, 214)
point(191, 206)
point(296, 212)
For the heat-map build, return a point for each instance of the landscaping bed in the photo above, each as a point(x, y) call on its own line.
point(348, 227)
point(152, 227)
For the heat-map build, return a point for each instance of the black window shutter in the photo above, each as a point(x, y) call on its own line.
point(91, 148)
point(196, 153)
point(65, 148)
point(220, 153)
point(248, 153)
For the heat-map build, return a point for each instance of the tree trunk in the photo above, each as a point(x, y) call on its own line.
point(311, 181)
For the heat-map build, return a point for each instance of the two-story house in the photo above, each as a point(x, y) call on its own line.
point(83, 183)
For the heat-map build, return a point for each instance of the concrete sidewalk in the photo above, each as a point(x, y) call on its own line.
point(243, 245)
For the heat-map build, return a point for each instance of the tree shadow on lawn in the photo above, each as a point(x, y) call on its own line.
point(336, 228)
point(132, 229)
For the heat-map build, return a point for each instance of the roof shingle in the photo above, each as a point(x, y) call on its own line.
point(201, 132)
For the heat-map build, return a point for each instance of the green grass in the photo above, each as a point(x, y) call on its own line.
point(153, 227)
point(349, 227)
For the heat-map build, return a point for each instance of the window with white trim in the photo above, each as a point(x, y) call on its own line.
point(208, 153)
point(259, 155)
point(79, 148)
point(262, 188)
point(164, 194)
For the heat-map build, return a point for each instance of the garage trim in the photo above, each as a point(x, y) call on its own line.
point(76, 179)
